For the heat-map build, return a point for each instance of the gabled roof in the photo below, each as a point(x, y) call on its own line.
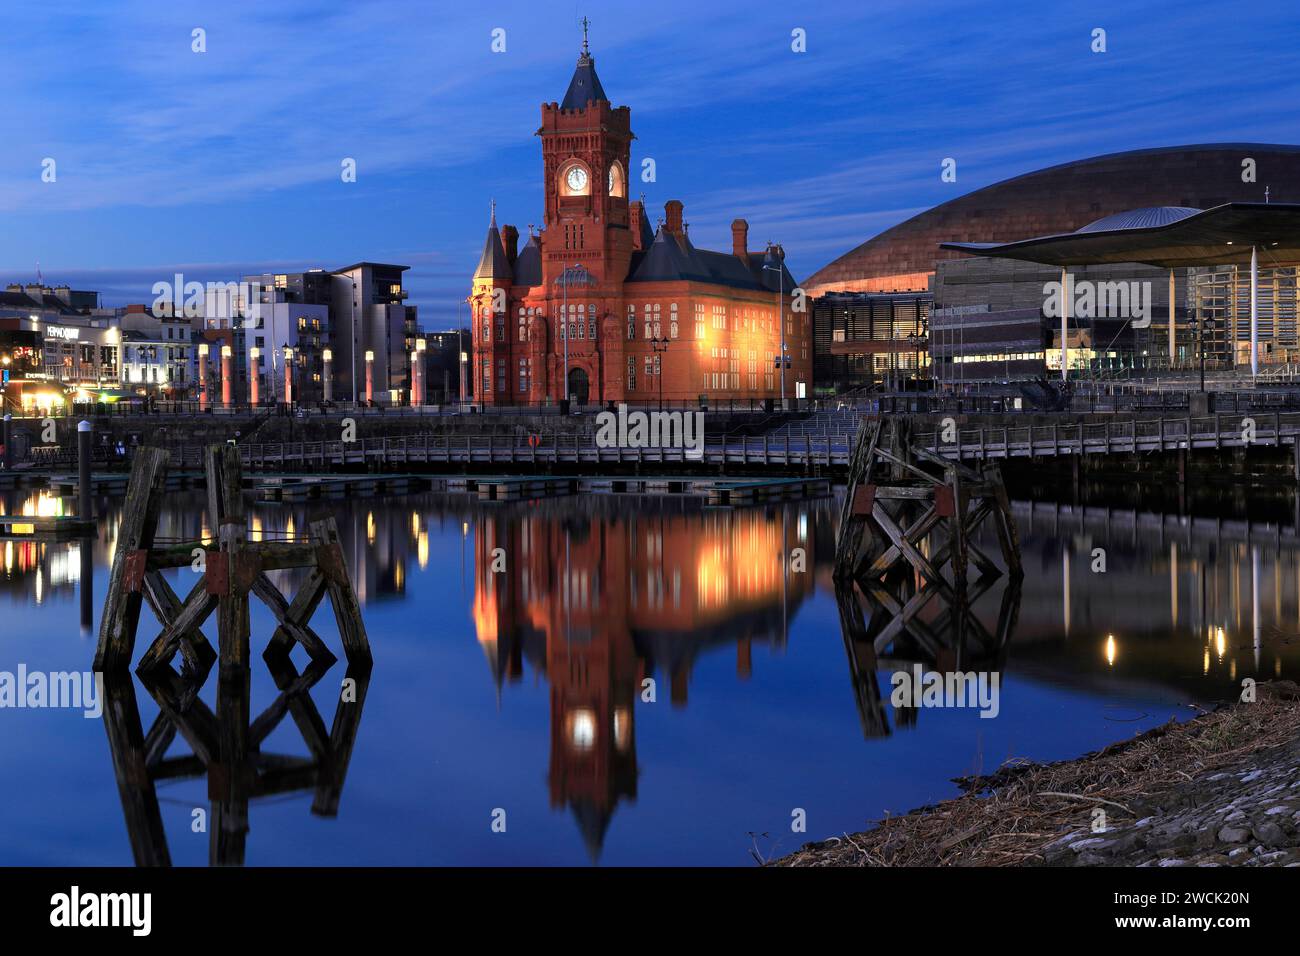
point(663, 261)
point(528, 265)
point(669, 259)
point(585, 85)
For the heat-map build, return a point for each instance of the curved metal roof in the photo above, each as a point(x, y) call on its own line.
point(1218, 236)
point(1143, 218)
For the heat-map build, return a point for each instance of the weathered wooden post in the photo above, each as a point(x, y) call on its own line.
point(135, 534)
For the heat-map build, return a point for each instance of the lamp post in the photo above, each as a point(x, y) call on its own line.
point(1200, 334)
point(782, 359)
point(203, 376)
point(660, 346)
point(254, 374)
point(354, 343)
point(460, 347)
point(227, 375)
point(370, 376)
point(327, 375)
point(288, 376)
point(417, 373)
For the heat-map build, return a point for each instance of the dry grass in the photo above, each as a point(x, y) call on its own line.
point(1008, 817)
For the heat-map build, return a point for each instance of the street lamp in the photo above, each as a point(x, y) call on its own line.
point(1200, 334)
point(660, 346)
point(783, 360)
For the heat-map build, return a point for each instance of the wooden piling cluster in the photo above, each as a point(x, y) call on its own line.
point(227, 742)
point(233, 569)
point(894, 504)
point(906, 538)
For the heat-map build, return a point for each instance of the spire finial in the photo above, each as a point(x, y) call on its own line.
point(585, 24)
point(494, 213)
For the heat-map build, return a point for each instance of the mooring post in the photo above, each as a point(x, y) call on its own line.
point(135, 534)
point(84, 511)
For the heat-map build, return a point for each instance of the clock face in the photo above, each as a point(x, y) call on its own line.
point(611, 179)
point(577, 179)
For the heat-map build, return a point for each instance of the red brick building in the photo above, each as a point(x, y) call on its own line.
point(648, 314)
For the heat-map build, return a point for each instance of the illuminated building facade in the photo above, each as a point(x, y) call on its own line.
point(600, 307)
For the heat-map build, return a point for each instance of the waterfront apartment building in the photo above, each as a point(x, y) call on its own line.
point(600, 307)
point(354, 318)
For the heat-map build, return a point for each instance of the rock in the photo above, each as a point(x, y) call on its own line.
point(1270, 834)
point(1233, 835)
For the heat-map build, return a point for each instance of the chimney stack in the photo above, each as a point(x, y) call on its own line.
point(634, 213)
point(510, 239)
point(740, 238)
point(673, 216)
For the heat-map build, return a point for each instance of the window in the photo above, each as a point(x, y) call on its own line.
point(631, 322)
point(523, 376)
point(699, 321)
point(631, 372)
point(501, 375)
point(591, 321)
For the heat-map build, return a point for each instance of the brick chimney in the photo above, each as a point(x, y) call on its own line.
point(739, 238)
point(673, 216)
point(635, 211)
point(510, 239)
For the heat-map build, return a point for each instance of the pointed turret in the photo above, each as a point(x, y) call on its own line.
point(585, 85)
point(493, 264)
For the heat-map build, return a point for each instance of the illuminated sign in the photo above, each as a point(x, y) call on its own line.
point(63, 332)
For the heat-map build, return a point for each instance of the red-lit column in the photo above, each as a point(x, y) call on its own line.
point(370, 377)
point(227, 375)
point(288, 375)
point(203, 377)
point(254, 374)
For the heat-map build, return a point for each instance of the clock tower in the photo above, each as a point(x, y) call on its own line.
point(586, 151)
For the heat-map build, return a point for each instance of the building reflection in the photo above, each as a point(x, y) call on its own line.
point(600, 601)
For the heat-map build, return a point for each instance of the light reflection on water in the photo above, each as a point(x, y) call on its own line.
point(512, 647)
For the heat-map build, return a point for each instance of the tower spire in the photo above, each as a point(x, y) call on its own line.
point(494, 213)
point(586, 51)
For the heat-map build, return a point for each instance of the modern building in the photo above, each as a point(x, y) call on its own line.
point(1062, 199)
point(979, 329)
point(342, 324)
point(600, 307)
point(863, 339)
point(1161, 287)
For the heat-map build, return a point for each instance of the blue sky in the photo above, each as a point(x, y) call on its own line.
point(226, 162)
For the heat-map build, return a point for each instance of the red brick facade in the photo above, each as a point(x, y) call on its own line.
point(718, 312)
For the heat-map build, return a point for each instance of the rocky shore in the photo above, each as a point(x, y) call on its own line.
point(1220, 790)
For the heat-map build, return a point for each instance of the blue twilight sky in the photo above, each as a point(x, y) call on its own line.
point(228, 161)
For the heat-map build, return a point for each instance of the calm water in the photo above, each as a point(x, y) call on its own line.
point(521, 689)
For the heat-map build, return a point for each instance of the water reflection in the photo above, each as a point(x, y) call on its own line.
point(609, 605)
point(226, 749)
point(597, 595)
